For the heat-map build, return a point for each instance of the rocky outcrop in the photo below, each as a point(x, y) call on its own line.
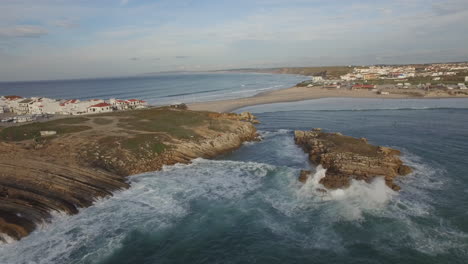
point(347, 158)
point(244, 116)
point(68, 172)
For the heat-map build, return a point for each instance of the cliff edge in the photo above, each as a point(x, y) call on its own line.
point(90, 157)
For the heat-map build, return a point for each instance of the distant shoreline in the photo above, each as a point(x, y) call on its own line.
point(296, 94)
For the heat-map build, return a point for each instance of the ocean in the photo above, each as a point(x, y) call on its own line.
point(157, 89)
point(248, 207)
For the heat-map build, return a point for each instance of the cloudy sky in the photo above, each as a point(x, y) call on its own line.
point(59, 39)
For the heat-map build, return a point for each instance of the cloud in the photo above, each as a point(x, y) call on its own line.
point(65, 23)
point(182, 57)
point(22, 31)
point(124, 2)
point(450, 7)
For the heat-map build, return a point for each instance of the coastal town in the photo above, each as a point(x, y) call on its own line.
point(431, 79)
point(16, 109)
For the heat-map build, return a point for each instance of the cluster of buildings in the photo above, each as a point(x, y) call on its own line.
point(435, 72)
point(380, 72)
point(47, 106)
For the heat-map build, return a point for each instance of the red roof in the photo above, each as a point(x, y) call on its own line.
point(133, 100)
point(101, 105)
point(73, 101)
point(13, 97)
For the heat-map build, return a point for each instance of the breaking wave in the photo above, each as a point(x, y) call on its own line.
point(206, 206)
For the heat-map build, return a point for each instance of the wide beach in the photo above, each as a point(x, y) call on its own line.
point(295, 93)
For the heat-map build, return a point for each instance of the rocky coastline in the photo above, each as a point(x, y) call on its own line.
point(39, 176)
point(347, 158)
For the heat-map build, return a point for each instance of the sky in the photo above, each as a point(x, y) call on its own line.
point(64, 39)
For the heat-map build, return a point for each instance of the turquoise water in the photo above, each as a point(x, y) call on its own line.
point(247, 206)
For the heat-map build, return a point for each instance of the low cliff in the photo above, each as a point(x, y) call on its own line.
point(347, 158)
point(90, 157)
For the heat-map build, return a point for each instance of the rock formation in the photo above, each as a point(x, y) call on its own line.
point(71, 170)
point(347, 158)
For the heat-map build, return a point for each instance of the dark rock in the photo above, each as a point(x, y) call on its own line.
point(347, 158)
point(304, 175)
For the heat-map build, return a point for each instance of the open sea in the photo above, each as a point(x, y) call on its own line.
point(248, 207)
point(157, 89)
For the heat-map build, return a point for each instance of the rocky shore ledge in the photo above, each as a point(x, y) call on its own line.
point(90, 157)
point(347, 158)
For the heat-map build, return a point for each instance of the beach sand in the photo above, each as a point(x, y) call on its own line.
point(294, 94)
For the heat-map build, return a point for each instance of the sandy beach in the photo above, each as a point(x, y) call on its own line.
point(295, 94)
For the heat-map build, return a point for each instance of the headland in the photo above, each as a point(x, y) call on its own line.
point(66, 164)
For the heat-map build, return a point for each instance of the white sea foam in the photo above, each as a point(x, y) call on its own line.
point(154, 202)
point(352, 201)
point(297, 212)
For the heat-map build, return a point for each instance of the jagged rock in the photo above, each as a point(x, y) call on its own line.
point(347, 158)
point(244, 116)
point(304, 175)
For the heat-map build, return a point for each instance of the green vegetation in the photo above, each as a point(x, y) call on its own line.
point(331, 71)
point(139, 144)
point(102, 121)
point(173, 122)
point(30, 131)
point(148, 142)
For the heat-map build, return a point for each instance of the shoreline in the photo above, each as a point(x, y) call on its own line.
point(297, 94)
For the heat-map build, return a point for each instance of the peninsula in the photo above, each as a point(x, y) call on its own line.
point(66, 164)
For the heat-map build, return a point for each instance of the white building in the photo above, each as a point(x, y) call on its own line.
point(135, 103)
point(100, 108)
point(317, 79)
point(466, 79)
point(118, 104)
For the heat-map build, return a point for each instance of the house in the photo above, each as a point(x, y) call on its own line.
point(100, 108)
point(462, 86)
point(135, 103)
point(11, 102)
point(466, 79)
point(317, 79)
point(370, 76)
point(23, 106)
point(118, 104)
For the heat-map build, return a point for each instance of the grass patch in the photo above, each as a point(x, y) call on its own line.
point(140, 144)
point(330, 71)
point(102, 121)
point(176, 123)
point(30, 131)
point(144, 142)
point(68, 121)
